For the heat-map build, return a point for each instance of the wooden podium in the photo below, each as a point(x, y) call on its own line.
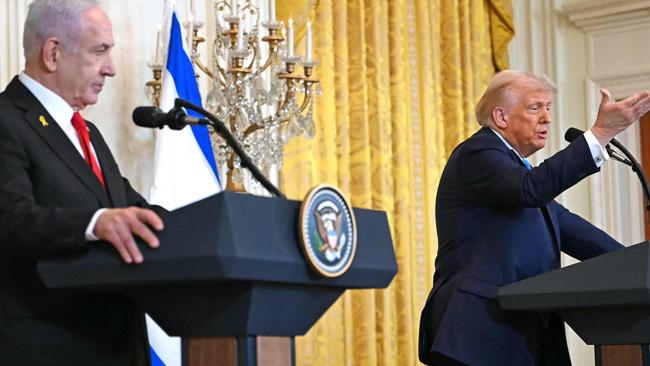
point(230, 278)
point(605, 300)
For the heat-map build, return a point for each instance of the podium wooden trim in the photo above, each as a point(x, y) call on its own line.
point(234, 351)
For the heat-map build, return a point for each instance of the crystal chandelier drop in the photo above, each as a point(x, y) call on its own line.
point(260, 89)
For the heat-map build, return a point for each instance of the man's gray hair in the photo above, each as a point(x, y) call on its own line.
point(502, 92)
point(54, 18)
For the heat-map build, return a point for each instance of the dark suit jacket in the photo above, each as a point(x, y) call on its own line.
point(497, 223)
point(47, 196)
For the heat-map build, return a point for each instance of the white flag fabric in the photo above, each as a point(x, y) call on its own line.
point(184, 165)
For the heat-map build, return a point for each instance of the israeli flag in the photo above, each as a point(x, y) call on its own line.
point(184, 165)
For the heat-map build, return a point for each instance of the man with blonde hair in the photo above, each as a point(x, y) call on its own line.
point(60, 189)
point(498, 223)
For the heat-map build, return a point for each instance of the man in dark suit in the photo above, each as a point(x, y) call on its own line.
point(60, 190)
point(498, 223)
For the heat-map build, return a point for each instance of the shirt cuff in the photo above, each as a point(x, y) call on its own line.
point(90, 229)
point(598, 152)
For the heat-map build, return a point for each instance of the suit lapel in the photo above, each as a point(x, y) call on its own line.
point(555, 227)
point(550, 219)
point(112, 177)
point(56, 139)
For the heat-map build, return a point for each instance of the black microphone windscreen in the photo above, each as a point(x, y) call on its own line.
point(144, 116)
point(572, 134)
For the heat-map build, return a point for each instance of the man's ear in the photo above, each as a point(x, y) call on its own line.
point(51, 54)
point(500, 117)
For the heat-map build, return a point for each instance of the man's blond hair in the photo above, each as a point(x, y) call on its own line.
point(503, 92)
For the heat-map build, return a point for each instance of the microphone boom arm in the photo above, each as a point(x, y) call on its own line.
point(572, 133)
point(636, 167)
point(221, 129)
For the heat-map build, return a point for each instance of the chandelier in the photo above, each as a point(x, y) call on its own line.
point(259, 87)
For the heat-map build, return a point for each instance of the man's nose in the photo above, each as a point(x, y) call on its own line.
point(546, 115)
point(108, 69)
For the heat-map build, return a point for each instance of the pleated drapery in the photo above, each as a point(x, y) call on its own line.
point(399, 81)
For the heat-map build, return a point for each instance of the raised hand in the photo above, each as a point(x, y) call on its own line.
point(613, 117)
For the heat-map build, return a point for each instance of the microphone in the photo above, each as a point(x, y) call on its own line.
point(570, 135)
point(153, 117)
point(573, 133)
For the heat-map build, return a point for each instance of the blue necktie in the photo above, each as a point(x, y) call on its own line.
point(527, 164)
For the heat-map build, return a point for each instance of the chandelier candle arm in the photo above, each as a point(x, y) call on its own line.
point(196, 40)
point(267, 63)
point(290, 96)
point(251, 129)
point(221, 77)
point(306, 101)
point(254, 57)
point(204, 69)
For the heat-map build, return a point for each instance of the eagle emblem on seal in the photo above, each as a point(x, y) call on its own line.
point(328, 222)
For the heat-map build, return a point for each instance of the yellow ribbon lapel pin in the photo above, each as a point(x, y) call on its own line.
point(43, 121)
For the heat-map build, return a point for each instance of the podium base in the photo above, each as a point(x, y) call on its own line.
point(239, 351)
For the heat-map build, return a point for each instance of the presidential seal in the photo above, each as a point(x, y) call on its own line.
point(327, 231)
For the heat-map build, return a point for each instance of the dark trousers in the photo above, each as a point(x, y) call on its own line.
point(551, 348)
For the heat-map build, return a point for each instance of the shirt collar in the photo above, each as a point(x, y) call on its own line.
point(507, 143)
point(56, 106)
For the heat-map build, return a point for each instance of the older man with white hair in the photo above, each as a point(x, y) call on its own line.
point(61, 190)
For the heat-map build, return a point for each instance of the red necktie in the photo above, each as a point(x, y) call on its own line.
point(84, 139)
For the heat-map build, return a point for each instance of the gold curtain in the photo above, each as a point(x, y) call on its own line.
point(399, 80)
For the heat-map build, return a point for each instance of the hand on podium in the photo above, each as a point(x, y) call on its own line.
point(118, 225)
